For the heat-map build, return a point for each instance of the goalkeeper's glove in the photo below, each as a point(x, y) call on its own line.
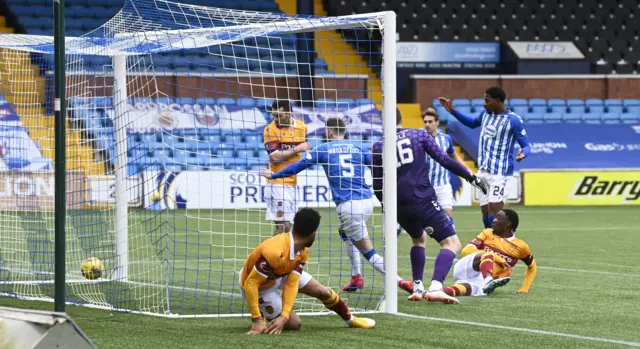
point(478, 183)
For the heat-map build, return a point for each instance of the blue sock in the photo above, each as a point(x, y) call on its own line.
point(489, 221)
point(451, 219)
point(484, 221)
point(369, 253)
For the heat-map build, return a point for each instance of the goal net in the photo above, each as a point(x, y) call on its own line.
point(166, 109)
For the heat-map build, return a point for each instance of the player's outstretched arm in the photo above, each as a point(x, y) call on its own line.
point(517, 125)
point(529, 275)
point(291, 170)
point(433, 150)
point(466, 120)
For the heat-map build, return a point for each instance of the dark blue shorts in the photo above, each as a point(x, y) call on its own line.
point(416, 217)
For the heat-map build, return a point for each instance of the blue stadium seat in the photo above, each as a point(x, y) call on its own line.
point(521, 110)
point(558, 109)
point(593, 101)
point(132, 169)
point(325, 103)
point(226, 101)
point(477, 102)
point(253, 141)
point(630, 102)
point(149, 138)
point(575, 102)
point(364, 101)
point(516, 102)
point(610, 118)
point(615, 109)
point(246, 154)
point(245, 102)
point(537, 101)
point(572, 118)
point(212, 138)
point(633, 109)
point(611, 101)
point(596, 109)
point(552, 118)
point(629, 118)
point(162, 153)
point(185, 100)
point(195, 168)
point(535, 118)
point(235, 140)
point(556, 102)
point(205, 101)
point(461, 102)
point(265, 103)
point(345, 103)
point(464, 109)
point(591, 118)
point(539, 108)
point(577, 109)
point(225, 153)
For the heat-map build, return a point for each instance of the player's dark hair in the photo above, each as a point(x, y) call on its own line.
point(496, 92)
point(306, 221)
point(513, 218)
point(336, 125)
point(398, 117)
point(281, 103)
point(431, 112)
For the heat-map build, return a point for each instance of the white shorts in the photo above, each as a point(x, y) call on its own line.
point(354, 215)
point(270, 299)
point(281, 202)
point(445, 195)
point(463, 273)
point(497, 188)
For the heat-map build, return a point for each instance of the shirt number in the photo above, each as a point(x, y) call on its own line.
point(347, 166)
point(405, 154)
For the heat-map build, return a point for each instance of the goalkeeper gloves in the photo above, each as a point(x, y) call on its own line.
point(478, 183)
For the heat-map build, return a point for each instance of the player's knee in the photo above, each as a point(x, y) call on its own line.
point(294, 323)
point(452, 243)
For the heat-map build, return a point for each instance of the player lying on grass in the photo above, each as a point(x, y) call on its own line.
point(418, 209)
point(487, 261)
point(276, 266)
point(344, 164)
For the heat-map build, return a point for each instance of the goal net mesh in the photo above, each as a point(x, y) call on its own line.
point(166, 109)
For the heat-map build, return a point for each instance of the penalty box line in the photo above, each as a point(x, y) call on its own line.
point(520, 329)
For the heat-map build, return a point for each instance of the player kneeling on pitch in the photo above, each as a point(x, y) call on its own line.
point(489, 258)
point(276, 266)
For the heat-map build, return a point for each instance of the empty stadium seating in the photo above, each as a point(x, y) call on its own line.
point(272, 55)
point(537, 110)
point(605, 31)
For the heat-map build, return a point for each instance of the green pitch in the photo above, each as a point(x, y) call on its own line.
point(586, 287)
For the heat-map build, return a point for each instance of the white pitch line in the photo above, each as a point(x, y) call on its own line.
point(519, 329)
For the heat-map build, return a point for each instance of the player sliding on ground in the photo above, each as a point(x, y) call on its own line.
point(501, 129)
point(344, 164)
point(418, 209)
point(276, 266)
point(489, 258)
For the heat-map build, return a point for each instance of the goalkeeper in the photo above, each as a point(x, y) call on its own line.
point(276, 265)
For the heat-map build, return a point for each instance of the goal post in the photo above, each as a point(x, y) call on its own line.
point(167, 104)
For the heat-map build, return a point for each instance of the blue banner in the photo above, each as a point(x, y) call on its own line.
point(459, 52)
point(567, 146)
point(18, 152)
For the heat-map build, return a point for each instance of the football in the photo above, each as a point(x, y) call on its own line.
point(92, 268)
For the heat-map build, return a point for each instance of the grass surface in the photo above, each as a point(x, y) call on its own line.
point(588, 269)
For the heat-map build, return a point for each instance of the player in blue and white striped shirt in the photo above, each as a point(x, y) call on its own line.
point(439, 176)
point(501, 129)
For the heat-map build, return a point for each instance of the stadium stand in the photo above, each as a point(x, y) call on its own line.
point(605, 31)
point(34, 16)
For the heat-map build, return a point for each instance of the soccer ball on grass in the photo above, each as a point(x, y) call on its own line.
point(92, 268)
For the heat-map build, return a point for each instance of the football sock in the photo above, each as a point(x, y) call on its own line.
point(354, 256)
point(443, 263)
point(484, 222)
point(490, 221)
point(455, 290)
point(486, 265)
point(418, 260)
point(336, 304)
point(376, 261)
